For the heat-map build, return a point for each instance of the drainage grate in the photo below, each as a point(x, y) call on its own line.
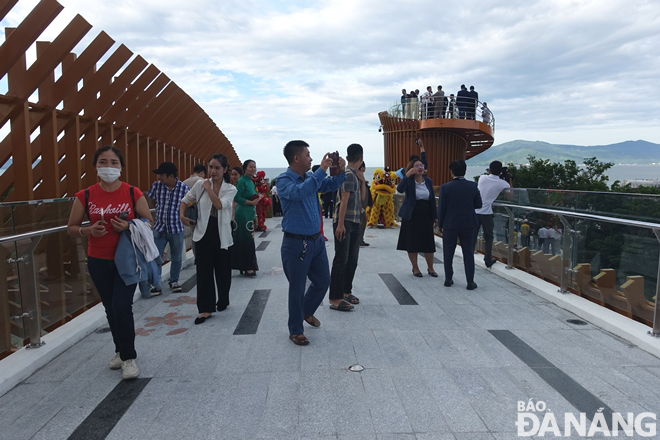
point(576, 322)
point(102, 330)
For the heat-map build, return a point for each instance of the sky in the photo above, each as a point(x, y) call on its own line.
point(571, 72)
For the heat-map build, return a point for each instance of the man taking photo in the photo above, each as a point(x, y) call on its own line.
point(490, 186)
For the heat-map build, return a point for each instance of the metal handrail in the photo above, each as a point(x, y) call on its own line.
point(655, 227)
point(397, 110)
point(32, 234)
point(602, 218)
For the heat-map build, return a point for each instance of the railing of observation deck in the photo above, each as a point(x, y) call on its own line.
point(614, 262)
point(42, 271)
point(441, 109)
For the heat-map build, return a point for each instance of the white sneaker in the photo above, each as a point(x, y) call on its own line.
point(174, 287)
point(115, 362)
point(129, 369)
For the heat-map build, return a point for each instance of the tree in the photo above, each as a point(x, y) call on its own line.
point(541, 173)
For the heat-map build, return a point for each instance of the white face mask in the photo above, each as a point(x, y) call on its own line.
point(107, 174)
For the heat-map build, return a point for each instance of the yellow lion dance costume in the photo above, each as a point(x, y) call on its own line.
point(383, 188)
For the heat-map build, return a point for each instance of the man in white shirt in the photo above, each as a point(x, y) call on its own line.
point(552, 235)
point(543, 240)
point(490, 186)
point(427, 103)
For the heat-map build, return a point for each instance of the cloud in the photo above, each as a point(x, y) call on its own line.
point(270, 71)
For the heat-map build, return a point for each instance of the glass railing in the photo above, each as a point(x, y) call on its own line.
point(644, 207)
point(441, 108)
point(42, 271)
point(612, 261)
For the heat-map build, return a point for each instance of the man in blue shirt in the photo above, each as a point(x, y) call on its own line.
point(167, 192)
point(303, 247)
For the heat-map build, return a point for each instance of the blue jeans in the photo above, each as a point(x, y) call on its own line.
point(176, 248)
point(315, 267)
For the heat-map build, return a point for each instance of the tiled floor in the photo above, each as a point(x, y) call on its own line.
point(432, 370)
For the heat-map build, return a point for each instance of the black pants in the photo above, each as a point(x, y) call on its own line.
point(117, 299)
point(328, 208)
point(363, 225)
point(487, 222)
point(449, 241)
point(211, 260)
point(345, 261)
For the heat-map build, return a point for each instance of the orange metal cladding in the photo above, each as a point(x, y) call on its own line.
point(125, 102)
point(445, 140)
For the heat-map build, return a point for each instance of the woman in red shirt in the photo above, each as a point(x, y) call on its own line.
point(107, 201)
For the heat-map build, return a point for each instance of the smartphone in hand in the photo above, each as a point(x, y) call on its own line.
point(334, 168)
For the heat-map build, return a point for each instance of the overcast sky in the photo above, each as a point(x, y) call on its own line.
point(571, 72)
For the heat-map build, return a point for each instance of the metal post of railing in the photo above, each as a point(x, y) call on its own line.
point(27, 278)
point(656, 314)
point(565, 258)
point(512, 232)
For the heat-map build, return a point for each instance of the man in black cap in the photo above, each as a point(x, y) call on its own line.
point(167, 192)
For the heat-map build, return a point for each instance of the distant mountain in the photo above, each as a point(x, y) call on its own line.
point(628, 152)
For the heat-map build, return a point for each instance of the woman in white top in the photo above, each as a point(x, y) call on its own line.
point(212, 236)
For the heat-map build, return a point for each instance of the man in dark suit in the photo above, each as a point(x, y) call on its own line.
point(463, 101)
point(474, 101)
point(457, 220)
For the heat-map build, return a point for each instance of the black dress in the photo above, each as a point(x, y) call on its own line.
point(416, 234)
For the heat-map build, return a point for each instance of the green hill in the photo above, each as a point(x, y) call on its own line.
point(629, 152)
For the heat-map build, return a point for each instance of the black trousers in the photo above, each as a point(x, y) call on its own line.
point(363, 225)
point(345, 261)
point(449, 241)
point(117, 299)
point(212, 261)
point(487, 222)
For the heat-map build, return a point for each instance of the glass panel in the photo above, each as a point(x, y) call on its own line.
point(12, 332)
point(64, 286)
point(37, 216)
point(65, 289)
point(642, 207)
point(617, 267)
point(613, 265)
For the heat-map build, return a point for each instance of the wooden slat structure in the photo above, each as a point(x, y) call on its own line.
point(125, 102)
point(445, 140)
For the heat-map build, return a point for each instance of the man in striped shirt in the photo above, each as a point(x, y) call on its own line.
point(167, 192)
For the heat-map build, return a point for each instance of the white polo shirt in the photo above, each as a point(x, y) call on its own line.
point(490, 186)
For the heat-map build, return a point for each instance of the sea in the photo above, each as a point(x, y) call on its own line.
point(617, 172)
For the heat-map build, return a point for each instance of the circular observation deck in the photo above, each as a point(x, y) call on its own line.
point(448, 134)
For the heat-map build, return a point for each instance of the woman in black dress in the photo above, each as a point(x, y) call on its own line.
point(418, 216)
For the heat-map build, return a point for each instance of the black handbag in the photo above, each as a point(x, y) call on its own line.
point(192, 213)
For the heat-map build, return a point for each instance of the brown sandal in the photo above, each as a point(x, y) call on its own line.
point(299, 339)
point(313, 321)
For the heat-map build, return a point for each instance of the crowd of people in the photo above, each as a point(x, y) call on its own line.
point(125, 243)
point(430, 105)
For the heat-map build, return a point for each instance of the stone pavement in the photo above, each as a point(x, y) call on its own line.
point(439, 363)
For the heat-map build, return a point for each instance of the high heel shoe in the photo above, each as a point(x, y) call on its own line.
point(417, 274)
point(433, 274)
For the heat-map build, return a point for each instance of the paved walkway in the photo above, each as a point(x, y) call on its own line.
point(439, 363)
